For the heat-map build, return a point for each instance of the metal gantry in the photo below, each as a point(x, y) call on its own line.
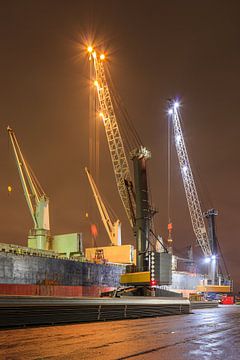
point(115, 142)
point(193, 202)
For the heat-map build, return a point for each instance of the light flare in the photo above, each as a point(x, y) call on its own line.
point(176, 105)
point(101, 115)
point(207, 260)
point(90, 49)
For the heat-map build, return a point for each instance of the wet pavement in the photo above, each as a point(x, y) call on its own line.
point(208, 334)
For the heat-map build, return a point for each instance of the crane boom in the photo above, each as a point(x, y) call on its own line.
point(193, 202)
point(35, 196)
point(115, 142)
point(113, 229)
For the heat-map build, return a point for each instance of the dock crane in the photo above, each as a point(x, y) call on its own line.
point(114, 138)
point(206, 240)
point(135, 202)
point(37, 200)
point(135, 199)
point(38, 203)
point(113, 228)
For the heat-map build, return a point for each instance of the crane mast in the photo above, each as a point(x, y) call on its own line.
point(37, 201)
point(193, 202)
point(135, 200)
point(113, 228)
point(115, 142)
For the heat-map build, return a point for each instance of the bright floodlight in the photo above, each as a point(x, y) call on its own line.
point(90, 49)
point(101, 115)
point(170, 111)
point(176, 104)
point(96, 83)
point(213, 257)
point(207, 260)
point(102, 57)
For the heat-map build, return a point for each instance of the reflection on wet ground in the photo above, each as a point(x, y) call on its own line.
point(210, 334)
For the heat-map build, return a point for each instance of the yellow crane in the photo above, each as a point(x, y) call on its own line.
point(113, 228)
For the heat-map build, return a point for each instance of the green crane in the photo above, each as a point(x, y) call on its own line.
point(37, 200)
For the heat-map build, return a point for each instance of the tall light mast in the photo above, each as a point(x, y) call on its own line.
point(37, 200)
point(115, 142)
point(193, 202)
point(113, 228)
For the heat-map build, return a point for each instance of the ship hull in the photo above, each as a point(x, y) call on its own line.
point(53, 290)
point(34, 275)
point(47, 276)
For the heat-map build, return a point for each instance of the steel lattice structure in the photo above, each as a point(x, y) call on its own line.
point(189, 184)
point(115, 142)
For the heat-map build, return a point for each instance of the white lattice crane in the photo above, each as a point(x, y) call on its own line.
point(114, 138)
point(193, 202)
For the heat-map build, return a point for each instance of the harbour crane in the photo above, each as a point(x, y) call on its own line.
point(206, 241)
point(135, 202)
point(134, 198)
point(113, 228)
point(115, 142)
point(37, 200)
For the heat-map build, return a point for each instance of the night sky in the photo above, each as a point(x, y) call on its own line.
point(156, 50)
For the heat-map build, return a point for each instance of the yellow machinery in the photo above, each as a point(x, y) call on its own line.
point(123, 254)
point(214, 288)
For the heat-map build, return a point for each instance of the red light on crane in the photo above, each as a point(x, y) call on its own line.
point(153, 282)
point(169, 226)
